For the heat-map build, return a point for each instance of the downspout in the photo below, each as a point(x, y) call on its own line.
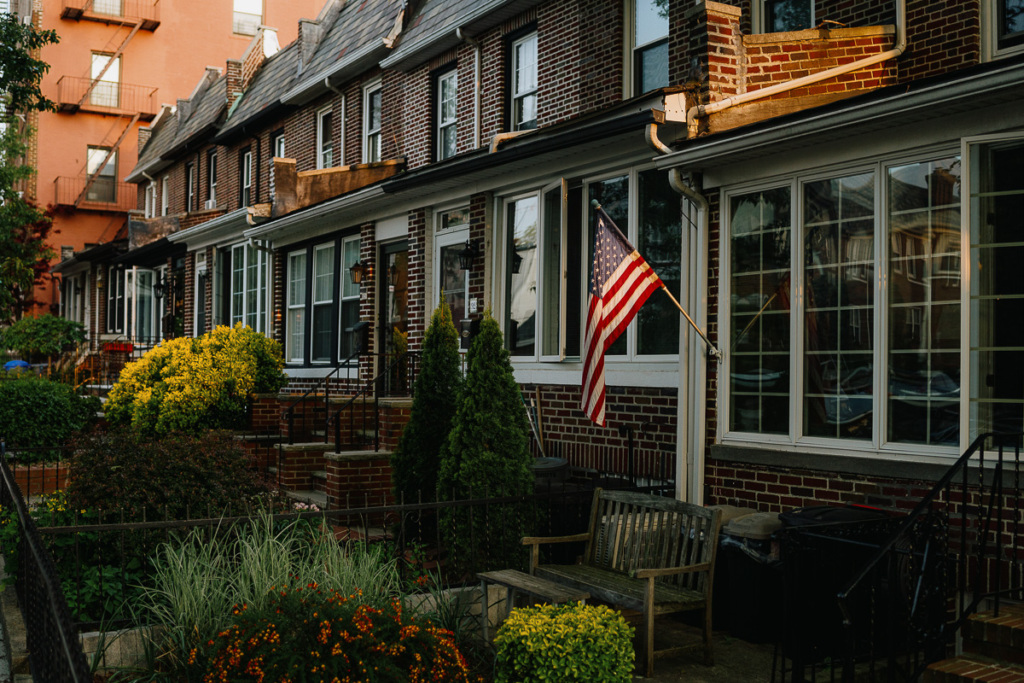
point(327, 84)
point(701, 110)
point(690, 433)
point(477, 66)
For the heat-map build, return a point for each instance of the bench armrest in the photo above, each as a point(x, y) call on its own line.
point(536, 541)
point(670, 571)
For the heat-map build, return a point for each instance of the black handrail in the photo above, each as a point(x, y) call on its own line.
point(974, 570)
point(54, 648)
point(378, 385)
point(288, 414)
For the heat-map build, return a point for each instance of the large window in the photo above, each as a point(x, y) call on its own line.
point(248, 16)
point(650, 45)
point(450, 237)
point(324, 141)
point(842, 325)
point(524, 83)
point(142, 308)
point(371, 122)
point(115, 299)
point(547, 263)
point(249, 268)
point(996, 345)
point(322, 301)
point(446, 114)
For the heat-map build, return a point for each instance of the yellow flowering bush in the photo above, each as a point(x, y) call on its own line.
point(188, 385)
point(569, 642)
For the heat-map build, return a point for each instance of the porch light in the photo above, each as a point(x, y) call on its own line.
point(466, 256)
point(357, 271)
point(158, 290)
point(517, 262)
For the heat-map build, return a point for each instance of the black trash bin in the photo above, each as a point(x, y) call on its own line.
point(748, 560)
point(821, 550)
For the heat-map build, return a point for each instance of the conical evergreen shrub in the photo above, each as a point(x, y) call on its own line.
point(416, 459)
point(487, 455)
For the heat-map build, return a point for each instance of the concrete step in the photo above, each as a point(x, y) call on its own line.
point(318, 498)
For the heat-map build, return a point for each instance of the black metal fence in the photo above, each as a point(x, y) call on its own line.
point(55, 652)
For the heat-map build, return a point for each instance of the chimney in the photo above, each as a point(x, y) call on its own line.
point(263, 46)
point(184, 110)
point(145, 133)
point(234, 78)
point(309, 37)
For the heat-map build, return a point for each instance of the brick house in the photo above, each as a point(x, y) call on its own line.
point(806, 177)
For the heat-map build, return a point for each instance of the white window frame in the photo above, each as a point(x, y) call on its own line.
point(990, 33)
point(295, 341)
point(278, 146)
point(447, 81)
point(371, 128)
point(530, 91)
point(106, 92)
point(149, 208)
point(631, 84)
point(256, 294)
point(211, 176)
point(201, 273)
point(348, 292)
point(246, 181)
point(794, 440)
point(327, 302)
point(165, 194)
point(115, 300)
point(190, 187)
point(445, 237)
point(325, 143)
point(135, 304)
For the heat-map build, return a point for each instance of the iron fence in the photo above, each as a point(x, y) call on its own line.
point(55, 652)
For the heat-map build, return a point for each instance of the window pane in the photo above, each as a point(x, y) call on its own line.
point(252, 299)
point(237, 283)
point(322, 332)
point(1011, 22)
point(839, 281)
point(924, 303)
point(760, 234)
point(652, 67)
point(997, 288)
point(349, 256)
point(659, 242)
point(453, 281)
point(650, 22)
point(613, 195)
point(323, 266)
point(296, 305)
point(551, 278)
point(787, 15)
point(522, 223)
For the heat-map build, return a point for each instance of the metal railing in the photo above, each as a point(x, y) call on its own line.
point(105, 194)
point(959, 551)
point(363, 408)
point(106, 96)
point(55, 651)
point(303, 424)
point(145, 10)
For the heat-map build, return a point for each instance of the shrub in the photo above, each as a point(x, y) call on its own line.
point(307, 633)
point(487, 453)
point(41, 336)
point(188, 385)
point(118, 471)
point(416, 459)
point(36, 412)
point(569, 642)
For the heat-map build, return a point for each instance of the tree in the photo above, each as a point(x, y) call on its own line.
point(416, 460)
point(487, 454)
point(24, 254)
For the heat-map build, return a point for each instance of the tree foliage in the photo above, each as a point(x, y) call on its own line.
point(24, 254)
point(487, 454)
point(44, 335)
point(416, 460)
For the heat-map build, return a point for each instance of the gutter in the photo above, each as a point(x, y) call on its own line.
point(208, 229)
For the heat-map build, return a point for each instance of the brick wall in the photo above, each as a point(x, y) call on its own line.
point(359, 480)
point(941, 37)
point(418, 307)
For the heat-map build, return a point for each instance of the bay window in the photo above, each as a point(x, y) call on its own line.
point(843, 310)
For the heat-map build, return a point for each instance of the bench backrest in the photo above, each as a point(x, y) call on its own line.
point(640, 531)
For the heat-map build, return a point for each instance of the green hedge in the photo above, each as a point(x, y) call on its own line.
point(36, 412)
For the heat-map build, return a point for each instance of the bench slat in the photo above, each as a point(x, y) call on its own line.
point(617, 588)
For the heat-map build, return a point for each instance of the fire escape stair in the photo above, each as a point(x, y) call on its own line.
point(110, 152)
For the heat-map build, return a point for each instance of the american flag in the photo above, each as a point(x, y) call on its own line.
point(620, 282)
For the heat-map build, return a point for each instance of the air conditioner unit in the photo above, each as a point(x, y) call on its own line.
point(210, 204)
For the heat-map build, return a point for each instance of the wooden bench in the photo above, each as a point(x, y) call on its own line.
point(646, 553)
point(516, 582)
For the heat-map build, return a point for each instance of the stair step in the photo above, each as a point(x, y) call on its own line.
point(319, 474)
point(972, 669)
point(998, 637)
point(318, 498)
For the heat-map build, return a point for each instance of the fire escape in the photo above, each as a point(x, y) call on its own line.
point(93, 187)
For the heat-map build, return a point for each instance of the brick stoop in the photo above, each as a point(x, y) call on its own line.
point(993, 650)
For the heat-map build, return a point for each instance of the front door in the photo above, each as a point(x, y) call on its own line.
point(394, 316)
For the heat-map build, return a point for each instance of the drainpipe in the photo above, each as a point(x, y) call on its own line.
point(477, 50)
point(701, 110)
point(690, 429)
point(327, 84)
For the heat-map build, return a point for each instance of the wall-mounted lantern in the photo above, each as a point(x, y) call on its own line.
point(466, 256)
point(357, 271)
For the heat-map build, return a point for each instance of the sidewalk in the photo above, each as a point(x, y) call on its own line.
point(736, 661)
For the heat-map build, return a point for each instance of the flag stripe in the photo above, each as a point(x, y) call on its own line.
point(620, 282)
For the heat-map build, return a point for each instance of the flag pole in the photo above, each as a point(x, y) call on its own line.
point(712, 349)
